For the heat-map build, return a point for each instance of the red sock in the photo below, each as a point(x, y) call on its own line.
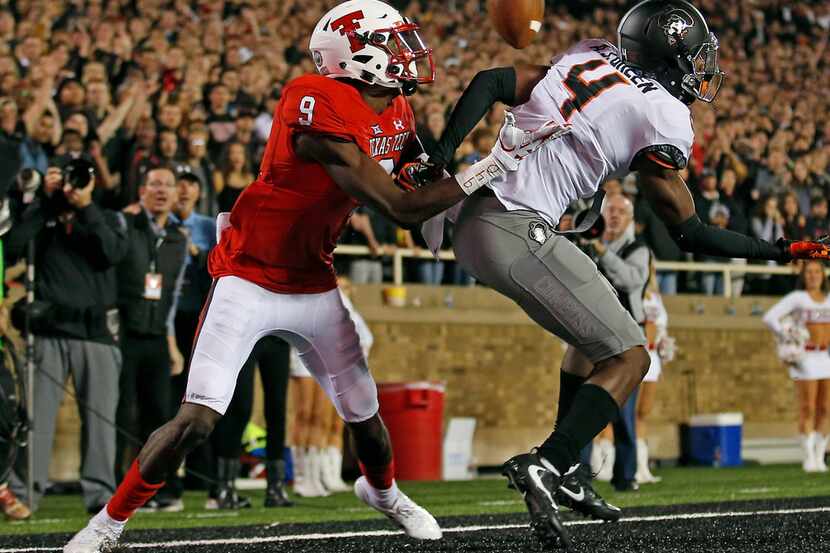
point(381, 477)
point(132, 494)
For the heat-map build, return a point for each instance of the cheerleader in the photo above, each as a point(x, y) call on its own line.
point(807, 308)
point(318, 430)
point(660, 348)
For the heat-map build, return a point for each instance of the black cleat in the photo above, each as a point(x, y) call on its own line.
point(577, 493)
point(538, 484)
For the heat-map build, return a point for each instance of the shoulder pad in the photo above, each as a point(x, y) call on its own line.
point(664, 155)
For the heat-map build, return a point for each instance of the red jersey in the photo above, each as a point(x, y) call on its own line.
point(285, 226)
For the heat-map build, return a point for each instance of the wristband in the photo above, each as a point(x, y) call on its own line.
point(480, 174)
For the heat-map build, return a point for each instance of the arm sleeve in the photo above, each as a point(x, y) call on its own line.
point(487, 88)
point(695, 237)
point(626, 274)
point(786, 306)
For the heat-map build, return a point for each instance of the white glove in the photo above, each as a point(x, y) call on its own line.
point(516, 144)
point(513, 146)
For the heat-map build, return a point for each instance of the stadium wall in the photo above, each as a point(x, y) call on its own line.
point(500, 368)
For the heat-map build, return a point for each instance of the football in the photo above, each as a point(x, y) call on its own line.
point(517, 21)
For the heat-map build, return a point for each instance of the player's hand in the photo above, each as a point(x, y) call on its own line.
point(515, 144)
point(418, 173)
point(176, 358)
point(805, 249)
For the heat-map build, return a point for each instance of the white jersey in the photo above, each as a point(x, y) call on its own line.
point(615, 114)
point(801, 308)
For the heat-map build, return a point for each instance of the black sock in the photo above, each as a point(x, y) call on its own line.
point(592, 409)
point(569, 385)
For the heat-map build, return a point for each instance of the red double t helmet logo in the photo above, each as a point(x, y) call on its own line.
point(346, 24)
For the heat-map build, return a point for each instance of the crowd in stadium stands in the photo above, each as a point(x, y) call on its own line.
point(132, 84)
point(191, 85)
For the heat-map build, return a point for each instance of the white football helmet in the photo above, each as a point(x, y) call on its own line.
point(370, 41)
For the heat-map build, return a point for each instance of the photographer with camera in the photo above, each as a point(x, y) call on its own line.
point(74, 318)
point(624, 260)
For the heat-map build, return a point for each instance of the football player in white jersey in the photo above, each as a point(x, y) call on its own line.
point(627, 107)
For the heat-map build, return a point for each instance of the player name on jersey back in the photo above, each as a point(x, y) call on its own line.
point(634, 75)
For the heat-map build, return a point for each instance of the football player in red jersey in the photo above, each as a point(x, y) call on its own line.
point(337, 138)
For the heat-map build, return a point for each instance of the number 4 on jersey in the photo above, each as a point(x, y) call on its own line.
point(583, 91)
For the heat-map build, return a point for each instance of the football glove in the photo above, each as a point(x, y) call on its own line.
point(515, 144)
point(418, 173)
point(805, 249)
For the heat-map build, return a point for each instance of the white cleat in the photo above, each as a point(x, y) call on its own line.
point(100, 535)
point(414, 520)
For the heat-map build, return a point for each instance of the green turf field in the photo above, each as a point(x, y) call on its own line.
point(679, 486)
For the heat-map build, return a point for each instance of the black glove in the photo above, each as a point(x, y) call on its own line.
point(418, 173)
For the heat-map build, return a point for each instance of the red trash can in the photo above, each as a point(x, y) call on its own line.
point(414, 414)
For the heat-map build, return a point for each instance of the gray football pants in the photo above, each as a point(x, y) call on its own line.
point(95, 370)
point(557, 285)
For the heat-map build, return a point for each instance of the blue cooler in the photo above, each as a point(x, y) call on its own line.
point(715, 440)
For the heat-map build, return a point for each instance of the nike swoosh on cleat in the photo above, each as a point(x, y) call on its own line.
point(575, 496)
point(534, 471)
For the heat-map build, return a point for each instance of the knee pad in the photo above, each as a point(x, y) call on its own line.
point(356, 394)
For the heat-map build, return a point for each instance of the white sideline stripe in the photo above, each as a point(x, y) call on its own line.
point(454, 530)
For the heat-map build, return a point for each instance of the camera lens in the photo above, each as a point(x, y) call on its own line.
point(77, 173)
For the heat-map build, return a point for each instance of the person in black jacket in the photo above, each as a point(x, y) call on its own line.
point(149, 284)
point(75, 321)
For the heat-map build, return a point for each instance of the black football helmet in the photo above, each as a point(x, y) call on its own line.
point(670, 40)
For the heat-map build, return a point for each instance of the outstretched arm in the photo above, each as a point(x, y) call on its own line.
point(364, 179)
point(670, 197)
point(508, 85)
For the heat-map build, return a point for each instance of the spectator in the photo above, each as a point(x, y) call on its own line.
point(234, 176)
point(202, 167)
point(12, 416)
point(75, 321)
point(219, 120)
point(625, 261)
point(201, 238)
point(768, 224)
point(11, 138)
point(817, 223)
point(150, 281)
point(170, 117)
point(795, 224)
point(246, 136)
point(712, 283)
point(707, 194)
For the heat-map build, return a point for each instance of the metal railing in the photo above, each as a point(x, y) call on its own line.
point(728, 270)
